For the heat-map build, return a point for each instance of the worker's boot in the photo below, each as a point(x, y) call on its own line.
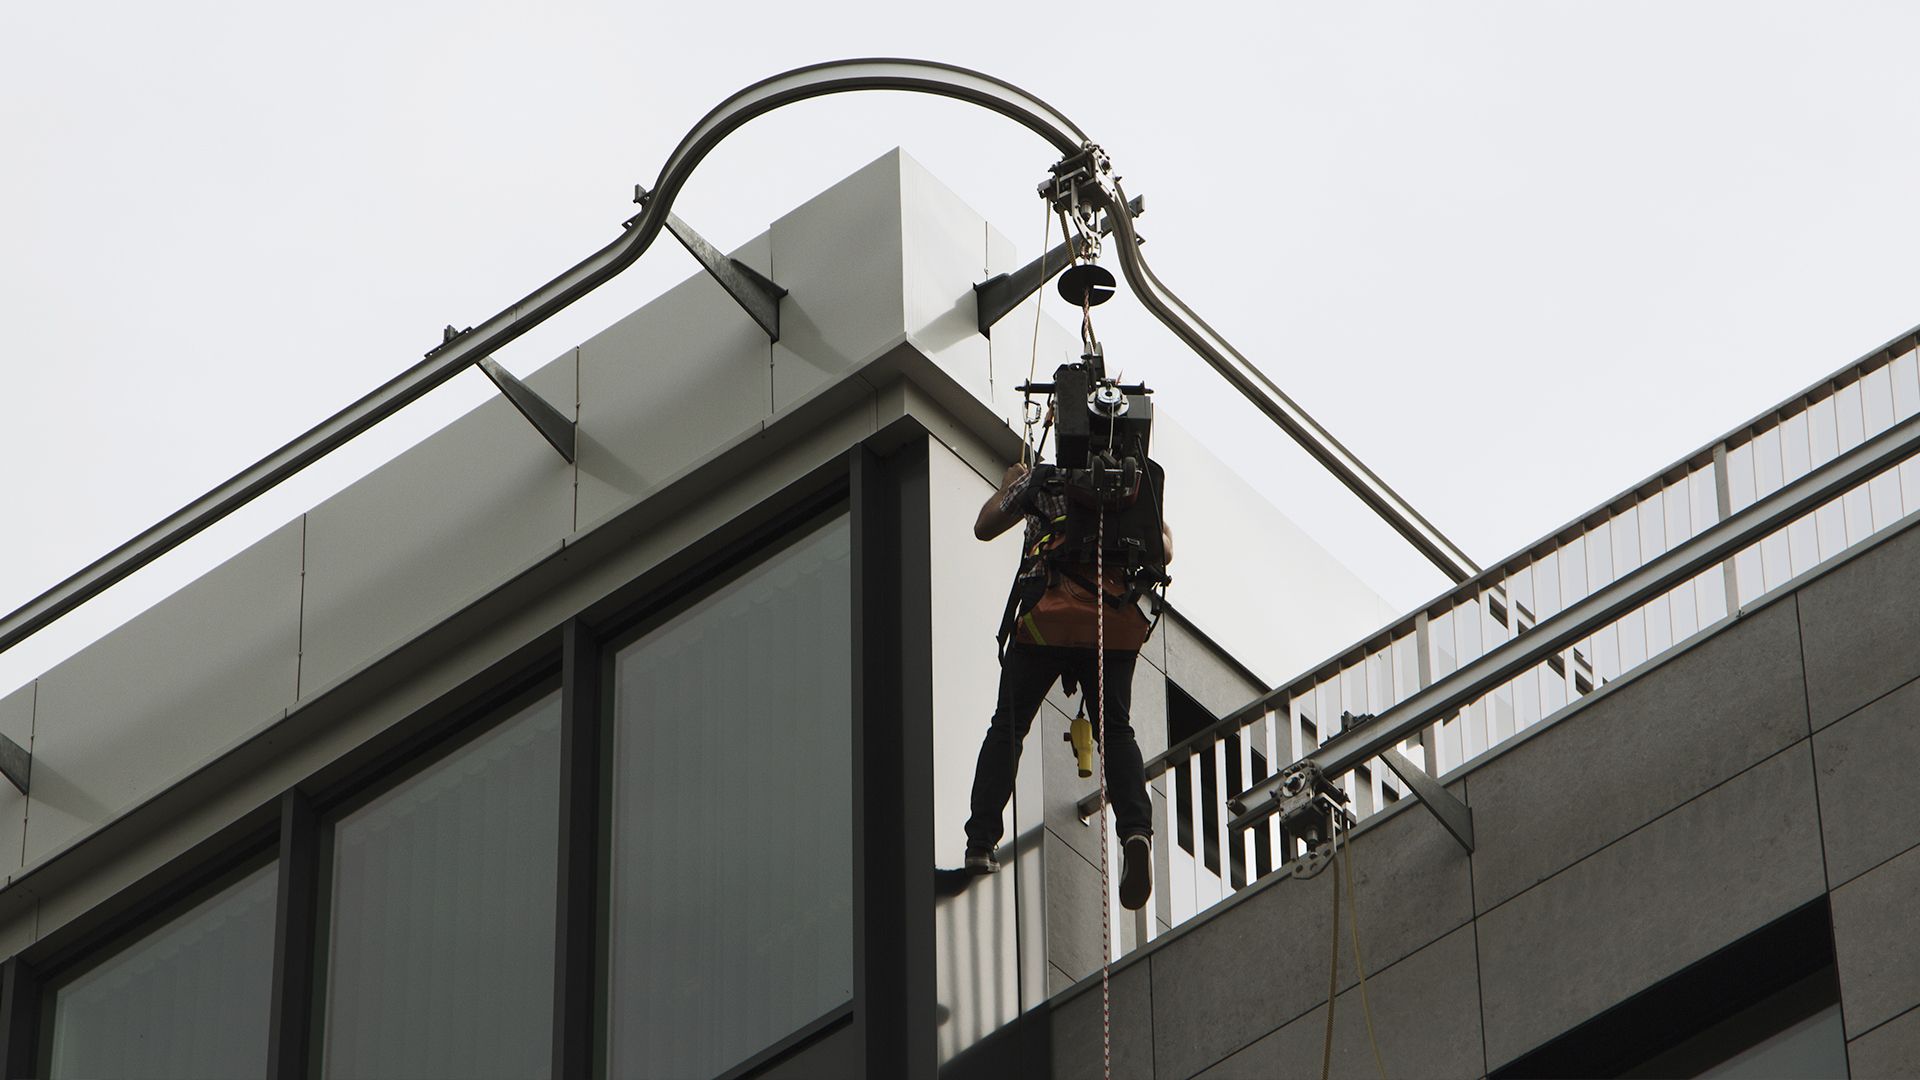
point(982, 862)
point(1136, 872)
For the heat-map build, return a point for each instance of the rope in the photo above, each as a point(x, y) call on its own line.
point(1100, 743)
point(1353, 910)
point(1333, 966)
point(1027, 450)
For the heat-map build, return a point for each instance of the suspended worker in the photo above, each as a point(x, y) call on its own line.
point(1032, 661)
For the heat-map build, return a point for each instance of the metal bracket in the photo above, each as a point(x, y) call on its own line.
point(1001, 293)
point(756, 294)
point(1455, 816)
point(552, 424)
point(15, 763)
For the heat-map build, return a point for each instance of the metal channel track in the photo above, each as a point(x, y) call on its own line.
point(819, 80)
point(1343, 752)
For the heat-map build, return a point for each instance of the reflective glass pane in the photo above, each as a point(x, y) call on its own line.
point(731, 920)
point(441, 923)
point(188, 999)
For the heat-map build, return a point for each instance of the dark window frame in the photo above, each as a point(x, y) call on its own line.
point(882, 485)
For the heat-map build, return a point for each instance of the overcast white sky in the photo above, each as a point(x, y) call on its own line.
point(1516, 255)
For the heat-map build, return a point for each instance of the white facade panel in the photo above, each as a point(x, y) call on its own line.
point(979, 934)
point(433, 529)
point(943, 245)
point(165, 693)
point(838, 255)
point(666, 386)
point(16, 723)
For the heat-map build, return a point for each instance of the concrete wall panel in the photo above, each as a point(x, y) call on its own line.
point(1887, 1052)
point(432, 530)
point(667, 385)
point(839, 256)
point(1077, 1044)
point(1867, 810)
point(16, 722)
point(166, 692)
point(1216, 989)
point(1876, 940)
point(1644, 749)
point(1859, 626)
point(1641, 909)
point(1426, 1016)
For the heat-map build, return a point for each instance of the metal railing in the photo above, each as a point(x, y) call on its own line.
point(1642, 572)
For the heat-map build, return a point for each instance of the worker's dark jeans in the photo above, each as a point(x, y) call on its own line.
point(1026, 675)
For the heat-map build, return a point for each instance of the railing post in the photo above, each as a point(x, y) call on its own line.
point(1723, 506)
point(1423, 665)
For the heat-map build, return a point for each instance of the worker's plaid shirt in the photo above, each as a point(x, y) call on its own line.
point(1046, 512)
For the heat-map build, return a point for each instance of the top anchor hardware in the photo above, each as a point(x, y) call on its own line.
point(1080, 187)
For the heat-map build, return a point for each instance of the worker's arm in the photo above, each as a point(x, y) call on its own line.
point(994, 519)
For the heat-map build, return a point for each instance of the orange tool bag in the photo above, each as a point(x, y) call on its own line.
point(1065, 612)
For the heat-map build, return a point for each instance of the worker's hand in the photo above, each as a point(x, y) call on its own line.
point(995, 516)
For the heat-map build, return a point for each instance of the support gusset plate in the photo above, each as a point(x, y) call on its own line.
point(1455, 816)
point(757, 295)
point(1001, 293)
point(552, 424)
point(15, 763)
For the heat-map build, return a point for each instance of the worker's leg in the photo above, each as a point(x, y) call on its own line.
point(1026, 675)
point(1126, 775)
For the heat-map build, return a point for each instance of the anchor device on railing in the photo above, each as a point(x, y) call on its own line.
point(1307, 805)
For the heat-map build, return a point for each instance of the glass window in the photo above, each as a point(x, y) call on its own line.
point(1794, 1031)
point(190, 998)
point(730, 922)
point(441, 923)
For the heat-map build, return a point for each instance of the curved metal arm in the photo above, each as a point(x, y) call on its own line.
point(1269, 399)
point(468, 347)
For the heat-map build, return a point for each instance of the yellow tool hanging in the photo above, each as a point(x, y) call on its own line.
point(1080, 734)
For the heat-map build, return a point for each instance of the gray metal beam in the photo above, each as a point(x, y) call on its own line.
point(1002, 293)
point(1267, 396)
point(15, 763)
point(553, 425)
point(1455, 816)
point(756, 295)
point(1345, 751)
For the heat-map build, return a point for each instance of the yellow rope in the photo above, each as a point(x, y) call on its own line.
point(1353, 910)
point(1333, 967)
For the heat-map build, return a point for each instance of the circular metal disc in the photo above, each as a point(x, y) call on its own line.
point(1087, 283)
